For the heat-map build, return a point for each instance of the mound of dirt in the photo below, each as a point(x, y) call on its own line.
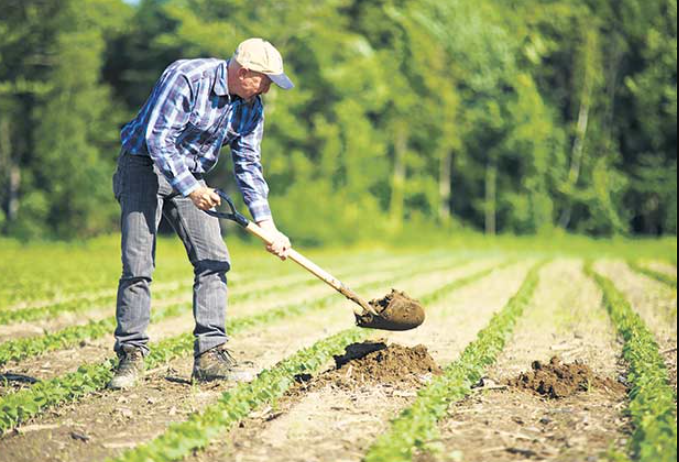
point(374, 363)
point(558, 380)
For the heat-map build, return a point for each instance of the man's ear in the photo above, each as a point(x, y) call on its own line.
point(243, 73)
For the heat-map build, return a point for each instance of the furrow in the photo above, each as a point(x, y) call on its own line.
point(19, 407)
point(417, 424)
point(195, 433)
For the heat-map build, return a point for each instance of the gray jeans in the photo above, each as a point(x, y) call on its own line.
point(145, 196)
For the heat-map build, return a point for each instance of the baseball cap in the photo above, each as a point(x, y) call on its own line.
point(261, 56)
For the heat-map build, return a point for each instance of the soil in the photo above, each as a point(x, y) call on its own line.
point(15, 376)
point(334, 423)
point(376, 363)
point(114, 421)
point(501, 423)
point(558, 380)
point(397, 311)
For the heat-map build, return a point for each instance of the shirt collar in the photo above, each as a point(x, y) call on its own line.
point(222, 81)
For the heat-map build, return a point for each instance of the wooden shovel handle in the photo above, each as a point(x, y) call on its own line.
point(317, 271)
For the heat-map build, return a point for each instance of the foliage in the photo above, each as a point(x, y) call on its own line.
point(418, 424)
point(201, 428)
point(653, 402)
point(514, 117)
point(21, 349)
point(23, 405)
point(666, 279)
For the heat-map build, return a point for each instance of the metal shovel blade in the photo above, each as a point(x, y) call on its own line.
point(396, 312)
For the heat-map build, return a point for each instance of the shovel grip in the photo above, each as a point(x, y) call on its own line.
point(316, 270)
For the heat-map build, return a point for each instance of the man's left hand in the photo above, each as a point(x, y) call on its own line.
point(281, 245)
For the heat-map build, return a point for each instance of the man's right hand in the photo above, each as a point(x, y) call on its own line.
point(205, 198)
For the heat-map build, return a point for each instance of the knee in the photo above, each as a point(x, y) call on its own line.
point(212, 267)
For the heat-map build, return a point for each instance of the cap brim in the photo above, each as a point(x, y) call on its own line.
point(282, 81)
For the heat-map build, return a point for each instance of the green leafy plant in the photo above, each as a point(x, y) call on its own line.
point(197, 432)
point(658, 276)
point(653, 402)
point(23, 405)
point(200, 429)
point(418, 425)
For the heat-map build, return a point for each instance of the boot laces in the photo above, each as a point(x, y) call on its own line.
point(226, 357)
point(127, 362)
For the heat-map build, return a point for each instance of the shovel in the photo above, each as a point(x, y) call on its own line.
point(395, 312)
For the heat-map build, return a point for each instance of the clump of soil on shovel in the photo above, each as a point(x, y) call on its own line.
point(397, 311)
point(558, 380)
point(373, 363)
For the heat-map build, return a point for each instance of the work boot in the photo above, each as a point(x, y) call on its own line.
point(129, 370)
point(219, 364)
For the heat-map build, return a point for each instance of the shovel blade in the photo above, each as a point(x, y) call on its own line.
point(396, 312)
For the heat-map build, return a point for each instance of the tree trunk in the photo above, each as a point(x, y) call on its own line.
point(445, 189)
point(578, 151)
point(12, 176)
point(491, 199)
point(399, 176)
point(578, 154)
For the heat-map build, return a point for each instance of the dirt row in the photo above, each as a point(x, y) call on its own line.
point(339, 423)
point(106, 423)
point(25, 373)
point(661, 267)
point(255, 284)
point(501, 422)
point(334, 420)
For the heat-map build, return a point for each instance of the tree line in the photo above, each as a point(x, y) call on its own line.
point(506, 116)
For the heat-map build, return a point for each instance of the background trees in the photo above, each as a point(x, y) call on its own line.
point(517, 116)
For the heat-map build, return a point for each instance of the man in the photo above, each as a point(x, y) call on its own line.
point(196, 107)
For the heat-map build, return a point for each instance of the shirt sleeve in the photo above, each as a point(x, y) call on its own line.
point(169, 118)
point(247, 161)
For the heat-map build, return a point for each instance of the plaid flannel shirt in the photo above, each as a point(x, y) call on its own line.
point(187, 120)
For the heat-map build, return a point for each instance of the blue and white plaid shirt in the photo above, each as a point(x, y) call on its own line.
point(187, 120)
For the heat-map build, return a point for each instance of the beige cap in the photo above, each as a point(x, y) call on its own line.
point(261, 56)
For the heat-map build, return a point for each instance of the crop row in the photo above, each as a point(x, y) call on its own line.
point(88, 303)
point(21, 349)
point(653, 401)
point(200, 429)
point(666, 279)
point(56, 282)
point(23, 405)
point(418, 425)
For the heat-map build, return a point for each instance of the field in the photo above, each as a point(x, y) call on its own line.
point(528, 354)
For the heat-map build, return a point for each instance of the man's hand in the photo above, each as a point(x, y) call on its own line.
point(205, 198)
point(281, 245)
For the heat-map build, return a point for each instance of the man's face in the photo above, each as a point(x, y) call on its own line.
point(253, 84)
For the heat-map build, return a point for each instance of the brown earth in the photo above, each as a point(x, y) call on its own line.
point(113, 422)
point(499, 423)
point(376, 363)
point(558, 380)
point(338, 424)
point(397, 311)
point(25, 373)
